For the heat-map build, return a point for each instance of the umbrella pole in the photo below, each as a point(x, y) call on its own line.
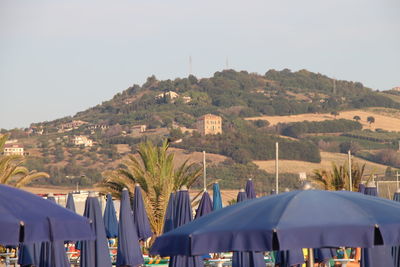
point(310, 261)
point(204, 171)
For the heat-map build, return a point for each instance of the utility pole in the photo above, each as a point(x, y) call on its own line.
point(204, 171)
point(350, 178)
point(397, 180)
point(276, 168)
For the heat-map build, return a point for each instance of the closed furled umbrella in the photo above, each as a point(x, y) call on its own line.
point(70, 202)
point(140, 216)
point(182, 216)
point(361, 188)
point(169, 214)
point(205, 205)
point(29, 254)
point(396, 249)
point(286, 221)
point(110, 218)
point(95, 252)
point(128, 252)
point(380, 255)
point(250, 192)
point(217, 199)
point(289, 258)
point(246, 259)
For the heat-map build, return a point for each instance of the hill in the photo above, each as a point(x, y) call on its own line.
point(170, 108)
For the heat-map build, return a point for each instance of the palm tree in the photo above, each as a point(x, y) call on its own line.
point(12, 171)
point(155, 172)
point(338, 177)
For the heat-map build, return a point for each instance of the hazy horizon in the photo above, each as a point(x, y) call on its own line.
point(61, 57)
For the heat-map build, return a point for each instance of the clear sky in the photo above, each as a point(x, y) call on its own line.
point(58, 57)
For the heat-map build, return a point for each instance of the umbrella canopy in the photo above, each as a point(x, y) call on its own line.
point(95, 252)
point(70, 202)
point(169, 214)
point(291, 220)
point(140, 216)
point(247, 259)
point(39, 219)
point(217, 199)
point(182, 216)
point(128, 252)
point(396, 249)
point(110, 218)
point(380, 255)
point(250, 192)
point(205, 205)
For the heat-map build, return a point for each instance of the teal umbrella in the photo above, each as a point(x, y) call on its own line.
point(217, 199)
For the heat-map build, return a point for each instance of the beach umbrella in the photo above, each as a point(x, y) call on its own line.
point(217, 199)
point(95, 252)
point(380, 255)
point(27, 218)
point(246, 259)
point(289, 258)
point(140, 216)
point(250, 192)
point(29, 254)
point(292, 220)
point(169, 214)
point(110, 218)
point(70, 202)
point(205, 205)
point(396, 249)
point(182, 216)
point(128, 252)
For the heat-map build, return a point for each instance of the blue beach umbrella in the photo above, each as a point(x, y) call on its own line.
point(169, 214)
point(140, 216)
point(205, 205)
point(217, 199)
point(396, 249)
point(70, 202)
point(110, 218)
point(95, 252)
point(289, 258)
point(250, 192)
point(246, 259)
point(292, 220)
point(379, 255)
point(361, 188)
point(29, 254)
point(182, 216)
point(128, 252)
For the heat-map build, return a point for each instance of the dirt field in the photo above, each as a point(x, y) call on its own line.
point(387, 119)
point(295, 166)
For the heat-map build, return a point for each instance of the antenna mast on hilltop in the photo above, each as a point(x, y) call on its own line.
point(190, 65)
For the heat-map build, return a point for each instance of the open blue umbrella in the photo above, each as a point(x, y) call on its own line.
point(205, 205)
point(140, 216)
point(217, 199)
point(70, 202)
point(169, 214)
point(250, 192)
point(38, 219)
point(95, 252)
point(379, 255)
point(128, 252)
point(110, 218)
point(182, 216)
point(292, 220)
point(246, 259)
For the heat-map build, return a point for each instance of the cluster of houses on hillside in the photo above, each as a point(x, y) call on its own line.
point(173, 96)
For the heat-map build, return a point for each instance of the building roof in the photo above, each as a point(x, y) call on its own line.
point(13, 146)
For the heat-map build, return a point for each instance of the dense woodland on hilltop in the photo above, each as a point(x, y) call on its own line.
point(234, 96)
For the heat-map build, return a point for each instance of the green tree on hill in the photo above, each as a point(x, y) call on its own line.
point(370, 120)
point(356, 118)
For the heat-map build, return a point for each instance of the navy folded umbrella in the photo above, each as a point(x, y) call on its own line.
point(128, 252)
point(38, 219)
point(379, 255)
point(396, 249)
point(70, 202)
point(246, 259)
point(292, 220)
point(140, 216)
point(217, 199)
point(95, 252)
point(182, 216)
point(110, 218)
point(169, 214)
point(205, 205)
point(289, 258)
point(29, 254)
point(361, 188)
point(250, 192)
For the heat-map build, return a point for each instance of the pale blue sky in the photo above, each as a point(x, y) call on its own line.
point(59, 57)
